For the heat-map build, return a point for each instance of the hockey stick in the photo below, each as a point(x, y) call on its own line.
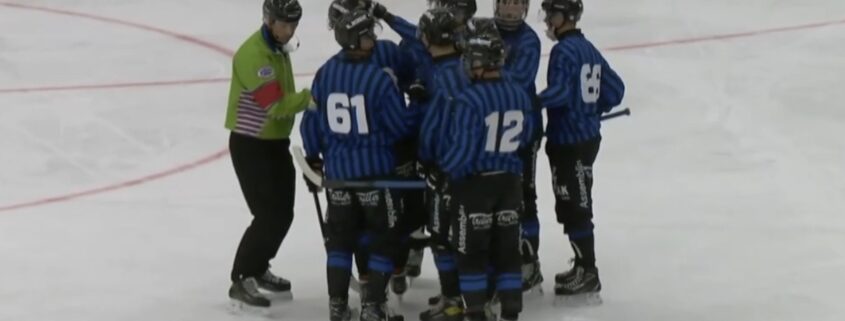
point(624, 112)
point(318, 180)
point(320, 215)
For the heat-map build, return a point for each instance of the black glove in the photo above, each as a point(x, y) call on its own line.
point(435, 178)
point(378, 10)
point(316, 164)
point(418, 92)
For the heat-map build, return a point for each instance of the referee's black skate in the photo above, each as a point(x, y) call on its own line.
point(378, 312)
point(446, 309)
point(245, 295)
point(270, 282)
point(578, 287)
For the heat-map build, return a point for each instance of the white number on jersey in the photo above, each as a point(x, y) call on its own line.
point(339, 114)
point(590, 83)
point(512, 123)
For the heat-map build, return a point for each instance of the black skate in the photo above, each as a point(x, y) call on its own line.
point(532, 278)
point(378, 312)
point(414, 266)
point(445, 309)
point(434, 300)
point(399, 284)
point(339, 310)
point(280, 287)
point(485, 315)
point(245, 295)
point(578, 287)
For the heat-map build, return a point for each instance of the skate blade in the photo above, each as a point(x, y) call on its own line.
point(285, 296)
point(534, 292)
point(240, 308)
point(579, 300)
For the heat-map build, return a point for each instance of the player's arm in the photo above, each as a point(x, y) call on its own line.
point(612, 89)
point(526, 61)
point(309, 128)
point(466, 134)
point(262, 88)
point(560, 88)
point(430, 127)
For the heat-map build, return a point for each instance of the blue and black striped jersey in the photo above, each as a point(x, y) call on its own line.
point(395, 61)
point(447, 79)
point(491, 122)
point(523, 59)
point(581, 86)
point(359, 116)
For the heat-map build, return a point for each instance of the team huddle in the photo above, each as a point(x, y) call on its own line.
point(453, 104)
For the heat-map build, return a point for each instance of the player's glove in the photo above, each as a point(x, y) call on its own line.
point(378, 10)
point(418, 92)
point(316, 164)
point(435, 178)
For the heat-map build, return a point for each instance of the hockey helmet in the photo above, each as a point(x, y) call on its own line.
point(282, 10)
point(352, 27)
point(483, 46)
point(438, 25)
point(571, 9)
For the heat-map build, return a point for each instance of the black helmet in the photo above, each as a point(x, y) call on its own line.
point(464, 8)
point(353, 26)
point(282, 10)
point(483, 46)
point(510, 14)
point(438, 25)
point(571, 9)
point(338, 8)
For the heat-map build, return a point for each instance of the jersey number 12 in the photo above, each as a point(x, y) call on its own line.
point(339, 113)
point(511, 123)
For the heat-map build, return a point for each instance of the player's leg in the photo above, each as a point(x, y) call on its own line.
point(506, 254)
point(342, 234)
point(384, 222)
point(531, 275)
point(573, 179)
point(472, 221)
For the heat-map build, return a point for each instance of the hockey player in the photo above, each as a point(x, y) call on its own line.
point(359, 116)
point(418, 91)
point(522, 65)
point(447, 79)
point(399, 64)
point(491, 123)
point(262, 104)
point(581, 86)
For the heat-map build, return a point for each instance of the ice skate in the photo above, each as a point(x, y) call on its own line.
point(445, 309)
point(339, 310)
point(532, 279)
point(399, 284)
point(378, 312)
point(414, 266)
point(279, 288)
point(245, 297)
point(579, 286)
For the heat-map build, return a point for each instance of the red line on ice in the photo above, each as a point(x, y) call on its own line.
point(222, 153)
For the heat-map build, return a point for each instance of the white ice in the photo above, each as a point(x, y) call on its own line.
point(719, 199)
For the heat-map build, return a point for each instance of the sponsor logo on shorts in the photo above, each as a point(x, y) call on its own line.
point(340, 198)
point(507, 218)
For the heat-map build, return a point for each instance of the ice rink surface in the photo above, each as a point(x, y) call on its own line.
point(721, 198)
